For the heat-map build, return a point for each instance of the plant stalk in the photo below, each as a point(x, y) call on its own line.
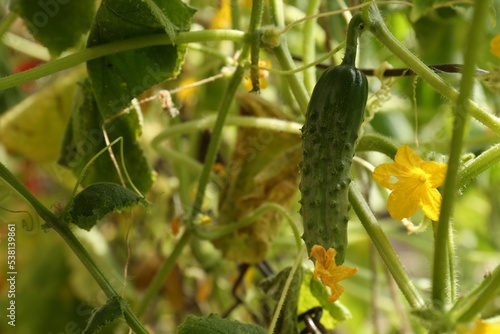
point(309, 45)
point(64, 231)
point(384, 248)
point(444, 280)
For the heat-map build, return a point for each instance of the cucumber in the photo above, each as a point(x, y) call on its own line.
point(334, 116)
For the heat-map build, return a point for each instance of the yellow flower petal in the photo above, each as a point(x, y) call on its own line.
point(327, 270)
point(495, 45)
point(387, 174)
point(431, 204)
point(400, 205)
point(487, 327)
point(406, 157)
point(413, 183)
point(436, 172)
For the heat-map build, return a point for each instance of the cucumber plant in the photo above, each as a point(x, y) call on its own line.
point(334, 116)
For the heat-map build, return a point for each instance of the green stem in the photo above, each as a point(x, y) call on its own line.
point(235, 14)
point(442, 278)
point(377, 143)
point(215, 141)
point(116, 47)
point(476, 166)
point(309, 45)
point(222, 115)
point(241, 121)
point(254, 61)
point(7, 23)
point(384, 248)
point(257, 10)
point(40, 209)
point(284, 57)
point(468, 307)
point(282, 53)
point(64, 231)
point(277, 13)
point(351, 45)
point(452, 263)
point(376, 25)
point(163, 273)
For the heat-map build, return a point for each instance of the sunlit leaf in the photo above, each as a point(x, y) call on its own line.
point(213, 324)
point(40, 118)
point(59, 24)
point(118, 78)
point(98, 200)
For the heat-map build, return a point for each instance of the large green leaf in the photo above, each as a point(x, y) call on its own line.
point(213, 324)
point(57, 24)
point(98, 200)
point(84, 138)
point(118, 78)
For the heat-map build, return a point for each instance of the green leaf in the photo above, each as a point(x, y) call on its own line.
point(117, 79)
point(57, 24)
point(160, 17)
point(98, 200)
point(84, 138)
point(313, 294)
point(213, 324)
point(273, 287)
point(106, 314)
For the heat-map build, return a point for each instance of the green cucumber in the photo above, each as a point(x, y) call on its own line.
point(334, 116)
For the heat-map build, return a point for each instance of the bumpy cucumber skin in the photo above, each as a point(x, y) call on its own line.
point(334, 116)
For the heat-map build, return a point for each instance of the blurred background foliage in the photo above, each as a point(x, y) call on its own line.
point(55, 294)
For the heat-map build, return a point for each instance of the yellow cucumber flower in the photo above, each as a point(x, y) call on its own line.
point(495, 45)
point(413, 183)
point(327, 270)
